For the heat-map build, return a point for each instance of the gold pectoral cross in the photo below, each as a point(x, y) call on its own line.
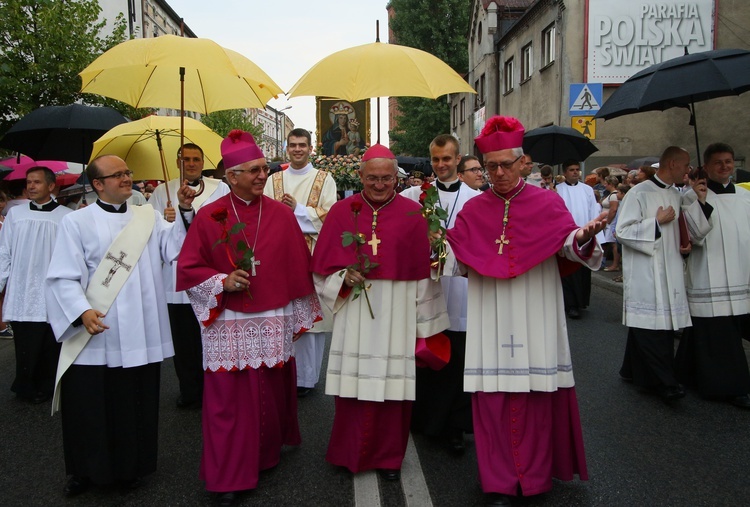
point(502, 242)
point(374, 242)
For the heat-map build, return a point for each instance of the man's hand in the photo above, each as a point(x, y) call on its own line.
point(700, 188)
point(664, 216)
point(169, 214)
point(590, 230)
point(185, 195)
point(236, 281)
point(684, 250)
point(92, 322)
point(353, 277)
point(289, 200)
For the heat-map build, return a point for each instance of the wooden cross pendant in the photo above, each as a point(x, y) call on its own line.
point(502, 242)
point(374, 242)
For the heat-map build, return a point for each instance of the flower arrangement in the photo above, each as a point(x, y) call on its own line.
point(343, 168)
point(435, 216)
point(364, 265)
point(240, 254)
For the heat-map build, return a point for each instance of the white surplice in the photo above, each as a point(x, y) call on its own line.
point(26, 243)
point(373, 359)
point(455, 288)
point(654, 294)
point(581, 202)
point(138, 323)
point(159, 201)
point(508, 347)
point(718, 274)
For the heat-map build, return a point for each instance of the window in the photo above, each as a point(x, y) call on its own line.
point(480, 91)
point(508, 76)
point(548, 45)
point(479, 33)
point(476, 97)
point(463, 110)
point(455, 115)
point(526, 68)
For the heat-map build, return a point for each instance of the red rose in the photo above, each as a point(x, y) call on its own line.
point(422, 197)
point(426, 186)
point(356, 206)
point(219, 215)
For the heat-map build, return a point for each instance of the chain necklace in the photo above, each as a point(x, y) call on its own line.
point(257, 231)
point(374, 240)
point(502, 241)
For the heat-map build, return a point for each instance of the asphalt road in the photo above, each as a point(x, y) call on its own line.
point(640, 451)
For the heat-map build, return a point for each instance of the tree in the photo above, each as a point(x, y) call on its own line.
point(438, 27)
point(45, 44)
point(222, 122)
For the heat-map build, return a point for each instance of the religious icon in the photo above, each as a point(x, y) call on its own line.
point(343, 127)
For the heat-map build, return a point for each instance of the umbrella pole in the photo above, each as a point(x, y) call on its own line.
point(201, 186)
point(377, 39)
point(694, 123)
point(164, 168)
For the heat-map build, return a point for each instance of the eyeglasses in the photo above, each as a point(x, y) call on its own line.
point(119, 175)
point(253, 170)
point(384, 179)
point(475, 170)
point(492, 166)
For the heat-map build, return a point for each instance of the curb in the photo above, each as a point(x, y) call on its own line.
point(604, 280)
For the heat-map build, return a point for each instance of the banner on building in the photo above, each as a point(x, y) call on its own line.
point(343, 127)
point(624, 38)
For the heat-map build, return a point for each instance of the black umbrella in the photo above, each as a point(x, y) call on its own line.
point(638, 162)
point(554, 145)
point(681, 82)
point(61, 132)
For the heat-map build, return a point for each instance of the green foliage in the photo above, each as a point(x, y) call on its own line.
point(439, 27)
point(222, 122)
point(45, 44)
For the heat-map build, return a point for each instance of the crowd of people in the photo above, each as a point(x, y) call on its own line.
point(431, 330)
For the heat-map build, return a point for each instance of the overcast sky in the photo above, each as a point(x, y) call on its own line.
point(286, 38)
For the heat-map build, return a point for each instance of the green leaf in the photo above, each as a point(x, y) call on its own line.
point(434, 226)
point(236, 228)
point(347, 239)
point(241, 246)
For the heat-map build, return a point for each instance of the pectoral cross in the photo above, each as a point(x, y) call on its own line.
point(117, 265)
point(252, 267)
point(511, 345)
point(502, 242)
point(374, 242)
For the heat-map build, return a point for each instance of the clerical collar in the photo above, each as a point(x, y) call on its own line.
point(572, 184)
point(658, 182)
point(112, 208)
point(247, 203)
point(720, 188)
point(300, 172)
point(377, 205)
point(47, 206)
point(195, 182)
point(448, 186)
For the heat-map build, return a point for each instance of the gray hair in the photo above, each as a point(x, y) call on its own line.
point(395, 165)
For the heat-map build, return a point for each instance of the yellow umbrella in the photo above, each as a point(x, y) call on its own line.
point(380, 70)
point(146, 73)
point(147, 144)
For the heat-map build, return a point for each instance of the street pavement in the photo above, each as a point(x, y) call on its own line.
point(640, 451)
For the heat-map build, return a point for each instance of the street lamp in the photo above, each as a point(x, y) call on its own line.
point(278, 133)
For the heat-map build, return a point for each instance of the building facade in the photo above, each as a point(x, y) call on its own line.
point(525, 67)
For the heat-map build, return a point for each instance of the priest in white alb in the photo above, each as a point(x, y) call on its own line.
point(309, 193)
point(245, 267)
point(518, 366)
point(379, 289)
point(106, 304)
point(711, 357)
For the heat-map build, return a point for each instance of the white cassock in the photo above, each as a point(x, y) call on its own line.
point(654, 287)
point(718, 274)
point(373, 359)
point(506, 351)
point(138, 331)
point(26, 244)
point(301, 184)
point(581, 202)
point(455, 288)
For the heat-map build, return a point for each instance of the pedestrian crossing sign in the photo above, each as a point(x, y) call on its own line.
point(586, 125)
point(585, 98)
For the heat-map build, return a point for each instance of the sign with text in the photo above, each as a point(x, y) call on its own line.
point(585, 98)
point(627, 37)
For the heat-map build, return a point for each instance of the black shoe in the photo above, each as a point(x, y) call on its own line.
point(670, 393)
point(187, 404)
point(456, 444)
point(76, 486)
point(497, 500)
point(741, 401)
point(389, 475)
point(132, 484)
point(303, 391)
point(573, 313)
point(228, 499)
